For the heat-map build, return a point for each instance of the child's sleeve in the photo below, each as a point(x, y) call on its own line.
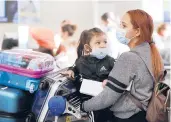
point(112, 62)
point(74, 67)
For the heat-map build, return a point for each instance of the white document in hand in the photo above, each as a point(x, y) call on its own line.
point(91, 87)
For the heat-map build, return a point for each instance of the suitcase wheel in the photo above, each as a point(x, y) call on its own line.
point(30, 118)
point(43, 85)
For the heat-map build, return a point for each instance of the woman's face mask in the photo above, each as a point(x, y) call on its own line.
point(121, 36)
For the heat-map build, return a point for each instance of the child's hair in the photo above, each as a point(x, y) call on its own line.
point(85, 38)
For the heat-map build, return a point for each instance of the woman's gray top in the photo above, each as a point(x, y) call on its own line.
point(129, 65)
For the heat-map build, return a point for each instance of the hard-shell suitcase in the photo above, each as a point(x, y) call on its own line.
point(15, 104)
point(52, 85)
point(19, 117)
point(28, 66)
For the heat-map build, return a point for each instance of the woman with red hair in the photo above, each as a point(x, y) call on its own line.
point(141, 65)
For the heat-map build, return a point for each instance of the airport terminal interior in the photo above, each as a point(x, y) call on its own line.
point(85, 60)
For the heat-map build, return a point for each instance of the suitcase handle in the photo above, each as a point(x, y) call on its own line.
point(32, 88)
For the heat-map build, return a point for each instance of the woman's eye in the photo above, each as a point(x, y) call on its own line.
point(124, 26)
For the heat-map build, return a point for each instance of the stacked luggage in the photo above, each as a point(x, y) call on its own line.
point(23, 69)
point(20, 74)
point(27, 84)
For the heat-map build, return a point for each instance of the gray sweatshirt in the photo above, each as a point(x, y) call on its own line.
point(129, 65)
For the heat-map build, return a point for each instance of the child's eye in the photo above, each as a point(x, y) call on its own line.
point(97, 42)
point(105, 42)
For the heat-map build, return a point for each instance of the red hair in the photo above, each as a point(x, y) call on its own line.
point(142, 20)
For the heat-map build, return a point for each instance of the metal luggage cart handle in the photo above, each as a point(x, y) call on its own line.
point(52, 91)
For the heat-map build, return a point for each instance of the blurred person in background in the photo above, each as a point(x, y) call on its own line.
point(64, 37)
point(67, 30)
point(54, 44)
point(10, 41)
point(45, 39)
point(161, 36)
point(58, 45)
point(162, 41)
point(109, 23)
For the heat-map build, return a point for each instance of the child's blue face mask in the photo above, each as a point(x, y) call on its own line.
point(99, 53)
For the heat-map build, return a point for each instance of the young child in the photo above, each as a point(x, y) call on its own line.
point(93, 62)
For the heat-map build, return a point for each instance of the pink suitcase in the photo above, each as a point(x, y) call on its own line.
point(24, 69)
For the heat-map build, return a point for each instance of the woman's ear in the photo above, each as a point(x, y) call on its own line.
point(138, 32)
point(87, 48)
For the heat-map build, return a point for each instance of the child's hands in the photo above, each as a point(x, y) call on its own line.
point(69, 73)
point(104, 83)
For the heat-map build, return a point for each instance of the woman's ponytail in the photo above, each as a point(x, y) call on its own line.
point(157, 63)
